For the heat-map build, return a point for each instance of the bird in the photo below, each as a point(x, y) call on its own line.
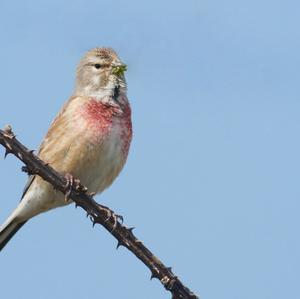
point(88, 140)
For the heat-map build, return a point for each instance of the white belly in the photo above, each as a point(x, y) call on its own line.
point(108, 163)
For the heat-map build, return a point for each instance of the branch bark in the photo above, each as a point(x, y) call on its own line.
point(98, 214)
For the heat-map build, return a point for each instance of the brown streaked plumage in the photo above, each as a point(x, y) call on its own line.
point(88, 139)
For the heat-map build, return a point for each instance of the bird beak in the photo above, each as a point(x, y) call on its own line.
point(119, 69)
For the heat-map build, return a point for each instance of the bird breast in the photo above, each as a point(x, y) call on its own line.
point(106, 136)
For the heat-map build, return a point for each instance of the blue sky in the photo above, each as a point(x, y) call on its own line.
point(212, 179)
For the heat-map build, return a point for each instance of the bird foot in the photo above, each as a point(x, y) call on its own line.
point(72, 183)
point(111, 216)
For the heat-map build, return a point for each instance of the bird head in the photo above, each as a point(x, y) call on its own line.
point(100, 70)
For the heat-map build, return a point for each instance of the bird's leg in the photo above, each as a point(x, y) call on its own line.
point(71, 183)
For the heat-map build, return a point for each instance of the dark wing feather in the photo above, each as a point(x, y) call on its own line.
point(28, 184)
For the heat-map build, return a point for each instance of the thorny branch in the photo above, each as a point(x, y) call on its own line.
point(98, 214)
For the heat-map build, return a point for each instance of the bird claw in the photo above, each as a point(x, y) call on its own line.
point(111, 216)
point(71, 183)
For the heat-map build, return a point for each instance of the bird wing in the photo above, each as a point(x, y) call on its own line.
point(28, 184)
point(55, 146)
point(57, 131)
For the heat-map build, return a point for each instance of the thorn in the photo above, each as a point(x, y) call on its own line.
point(119, 217)
point(119, 244)
point(93, 219)
point(76, 205)
point(153, 275)
point(170, 269)
point(87, 214)
point(31, 151)
point(92, 193)
point(6, 153)
point(25, 169)
point(131, 228)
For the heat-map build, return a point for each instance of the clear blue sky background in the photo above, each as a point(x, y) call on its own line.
point(212, 180)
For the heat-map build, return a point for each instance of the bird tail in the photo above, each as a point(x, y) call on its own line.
point(8, 229)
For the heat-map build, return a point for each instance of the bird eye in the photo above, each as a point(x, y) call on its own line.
point(97, 66)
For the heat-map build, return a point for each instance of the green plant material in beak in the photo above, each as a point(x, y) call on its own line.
point(119, 70)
